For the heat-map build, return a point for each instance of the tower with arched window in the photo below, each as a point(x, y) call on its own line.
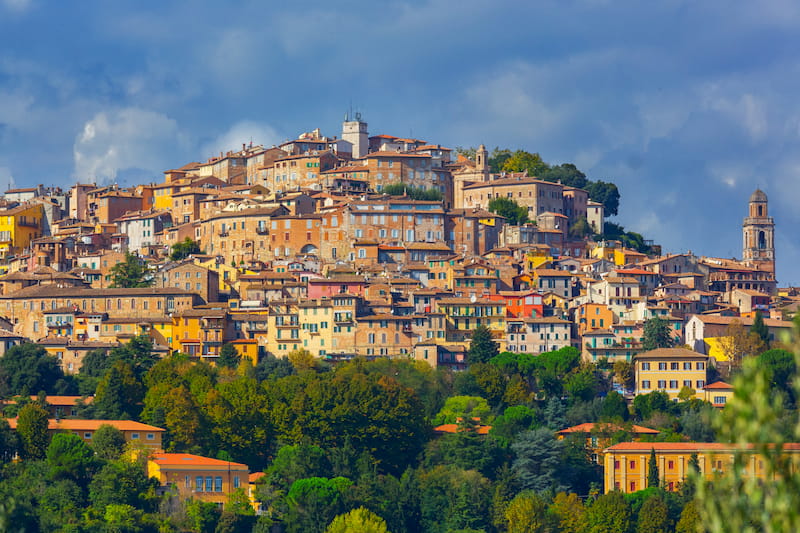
point(758, 233)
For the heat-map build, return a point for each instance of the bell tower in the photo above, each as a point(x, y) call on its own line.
point(758, 233)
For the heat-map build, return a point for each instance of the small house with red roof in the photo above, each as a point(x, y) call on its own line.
point(202, 478)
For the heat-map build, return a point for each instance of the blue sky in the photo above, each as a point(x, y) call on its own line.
point(687, 106)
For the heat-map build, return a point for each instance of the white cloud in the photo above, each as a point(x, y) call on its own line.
point(16, 5)
point(129, 139)
point(242, 133)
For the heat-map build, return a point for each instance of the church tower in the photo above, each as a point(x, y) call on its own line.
point(758, 232)
point(354, 130)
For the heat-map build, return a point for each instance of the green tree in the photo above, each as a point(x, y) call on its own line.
point(359, 520)
point(623, 374)
point(690, 518)
point(123, 483)
point(182, 250)
point(28, 369)
point(132, 272)
point(755, 420)
point(229, 356)
point(527, 513)
point(656, 334)
point(302, 360)
point(566, 173)
point(615, 407)
point(609, 513)
point(568, 511)
point(522, 161)
point(760, 329)
point(482, 346)
point(452, 499)
point(537, 460)
point(69, 457)
point(498, 158)
point(119, 394)
point(458, 408)
point(605, 193)
point(32, 424)
point(654, 516)
point(108, 442)
point(514, 213)
point(652, 470)
point(781, 369)
point(415, 193)
point(580, 228)
point(314, 502)
point(8, 442)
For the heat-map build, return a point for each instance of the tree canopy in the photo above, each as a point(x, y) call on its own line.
point(130, 273)
point(185, 248)
point(514, 213)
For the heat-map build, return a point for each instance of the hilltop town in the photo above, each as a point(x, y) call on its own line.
point(484, 277)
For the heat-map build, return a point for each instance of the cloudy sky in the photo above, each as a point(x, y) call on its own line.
point(688, 106)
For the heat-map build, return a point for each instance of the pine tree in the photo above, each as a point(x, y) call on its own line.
point(656, 334)
point(652, 470)
point(229, 356)
point(482, 347)
point(760, 329)
point(130, 273)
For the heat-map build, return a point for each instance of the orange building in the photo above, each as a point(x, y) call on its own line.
point(626, 463)
point(134, 432)
point(201, 478)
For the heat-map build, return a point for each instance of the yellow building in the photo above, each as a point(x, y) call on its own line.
point(626, 464)
point(199, 332)
point(600, 435)
point(465, 314)
point(197, 477)
point(669, 370)
point(18, 227)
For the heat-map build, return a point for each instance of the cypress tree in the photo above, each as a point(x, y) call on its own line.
point(652, 470)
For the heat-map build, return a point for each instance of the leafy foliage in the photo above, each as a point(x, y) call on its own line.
point(182, 250)
point(130, 273)
point(482, 347)
point(514, 213)
point(28, 369)
point(656, 334)
point(415, 193)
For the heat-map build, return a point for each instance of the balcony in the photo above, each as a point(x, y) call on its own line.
point(223, 233)
point(262, 230)
point(28, 223)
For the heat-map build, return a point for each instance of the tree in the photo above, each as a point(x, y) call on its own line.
point(32, 425)
point(781, 368)
point(514, 213)
point(415, 193)
point(654, 516)
point(615, 407)
point(182, 250)
point(568, 510)
point(656, 334)
point(302, 360)
point(623, 374)
point(69, 457)
point(568, 174)
point(108, 442)
point(580, 228)
point(755, 420)
point(123, 483)
point(760, 329)
point(8, 442)
point(132, 272)
point(229, 356)
point(359, 520)
point(314, 502)
point(537, 460)
point(610, 513)
point(522, 161)
point(458, 408)
point(28, 369)
point(739, 343)
point(690, 518)
point(606, 194)
point(527, 513)
point(652, 470)
point(482, 346)
point(119, 394)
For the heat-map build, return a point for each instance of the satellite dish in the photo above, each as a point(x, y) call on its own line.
point(473, 298)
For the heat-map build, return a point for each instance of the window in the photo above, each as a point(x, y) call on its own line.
point(720, 400)
point(209, 484)
point(700, 366)
point(616, 465)
point(235, 482)
point(87, 435)
point(134, 436)
point(646, 384)
point(701, 383)
point(645, 366)
point(218, 484)
point(198, 484)
point(670, 465)
point(662, 366)
point(687, 382)
point(150, 436)
point(673, 384)
point(687, 366)
point(632, 464)
point(673, 366)
point(187, 482)
point(662, 383)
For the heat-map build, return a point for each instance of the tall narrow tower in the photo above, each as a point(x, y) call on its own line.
point(758, 232)
point(354, 130)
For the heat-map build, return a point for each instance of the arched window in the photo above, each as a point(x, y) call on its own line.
point(762, 240)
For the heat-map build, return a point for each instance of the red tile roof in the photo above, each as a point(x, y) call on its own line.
point(187, 459)
point(588, 427)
